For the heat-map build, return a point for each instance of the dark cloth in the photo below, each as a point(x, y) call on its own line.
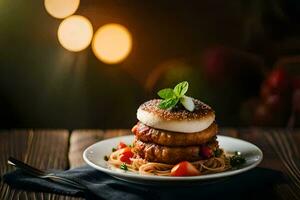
point(256, 182)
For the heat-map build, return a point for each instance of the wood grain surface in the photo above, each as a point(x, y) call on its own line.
point(42, 149)
point(60, 149)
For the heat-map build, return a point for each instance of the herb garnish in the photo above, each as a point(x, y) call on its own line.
point(237, 160)
point(106, 158)
point(113, 149)
point(124, 166)
point(218, 152)
point(172, 96)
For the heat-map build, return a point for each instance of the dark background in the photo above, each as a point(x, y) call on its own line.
point(225, 49)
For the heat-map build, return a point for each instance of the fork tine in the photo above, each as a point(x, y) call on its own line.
point(42, 174)
point(65, 181)
point(24, 166)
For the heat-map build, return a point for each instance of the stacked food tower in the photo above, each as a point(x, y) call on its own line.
point(184, 132)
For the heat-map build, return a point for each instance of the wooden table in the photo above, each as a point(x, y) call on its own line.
point(62, 149)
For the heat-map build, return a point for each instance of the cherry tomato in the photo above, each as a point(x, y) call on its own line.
point(184, 168)
point(206, 152)
point(121, 145)
point(125, 159)
point(125, 149)
point(126, 152)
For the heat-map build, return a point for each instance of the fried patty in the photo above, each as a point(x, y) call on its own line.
point(148, 134)
point(170, 155)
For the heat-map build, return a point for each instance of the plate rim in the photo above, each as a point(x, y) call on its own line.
point(172, 178)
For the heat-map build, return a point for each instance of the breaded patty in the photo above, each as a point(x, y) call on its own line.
point(147, 134)
point(170, 155)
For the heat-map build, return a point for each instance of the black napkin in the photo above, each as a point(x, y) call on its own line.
point(256, 182)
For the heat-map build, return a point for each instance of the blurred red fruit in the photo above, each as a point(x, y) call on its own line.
point(274, 101)
point(278, 79)
point(265, 91)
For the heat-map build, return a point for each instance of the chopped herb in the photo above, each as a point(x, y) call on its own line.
point(124, 166)
point(218, 152)
point(113, 149)
point(106, 158)
point(130, 146)
point(237, 160)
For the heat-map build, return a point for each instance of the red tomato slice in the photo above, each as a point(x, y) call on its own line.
point(125, 159)
point(121, 145)
point(129, 154)
point(184, 168)
point(126, 152)
point(125, 149)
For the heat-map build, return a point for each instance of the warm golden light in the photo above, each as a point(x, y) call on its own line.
point(112, 43)
point(61, 8)
point(75, 33)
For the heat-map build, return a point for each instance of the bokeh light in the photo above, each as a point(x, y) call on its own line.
point(112, 43)
point(61, 8)
point(75, 33)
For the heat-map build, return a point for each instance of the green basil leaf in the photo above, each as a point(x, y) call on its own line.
point(181, 88)
point(168, 103)
point(166, 93)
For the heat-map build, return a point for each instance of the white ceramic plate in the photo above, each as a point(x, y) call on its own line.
point(94, 156)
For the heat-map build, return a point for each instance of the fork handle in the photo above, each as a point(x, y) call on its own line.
point(65, 181)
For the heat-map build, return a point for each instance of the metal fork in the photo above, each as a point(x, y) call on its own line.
point(287, 151)
point(44, 175)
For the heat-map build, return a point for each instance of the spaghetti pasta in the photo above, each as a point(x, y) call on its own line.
point(141, 166)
